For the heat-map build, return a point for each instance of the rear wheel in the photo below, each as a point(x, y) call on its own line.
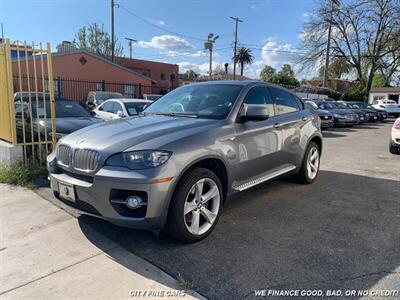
point(310, 166)
point(196, 206)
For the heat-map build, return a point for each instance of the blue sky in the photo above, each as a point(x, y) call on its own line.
point(271, 27)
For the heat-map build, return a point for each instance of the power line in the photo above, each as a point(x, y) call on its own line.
point(184, 54)
point(159, 27)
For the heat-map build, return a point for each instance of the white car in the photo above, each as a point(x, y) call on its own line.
point(120, 108)
point(394, 146)
point(390, 106)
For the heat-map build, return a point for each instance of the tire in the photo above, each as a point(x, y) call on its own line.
point(304, 176)
point(180, 225)
point(393, 149)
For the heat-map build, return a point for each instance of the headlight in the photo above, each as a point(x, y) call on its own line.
point(58, 135)
point(137, 160)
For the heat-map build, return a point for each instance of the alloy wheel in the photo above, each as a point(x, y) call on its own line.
point(202, 206)
point(313, 163)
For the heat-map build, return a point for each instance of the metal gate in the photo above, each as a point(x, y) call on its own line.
point(27, 102)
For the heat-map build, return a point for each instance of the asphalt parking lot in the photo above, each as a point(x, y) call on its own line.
point(342, 232)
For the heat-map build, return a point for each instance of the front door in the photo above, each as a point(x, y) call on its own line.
point(257, 142)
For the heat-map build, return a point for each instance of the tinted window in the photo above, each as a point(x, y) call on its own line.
point(117, 107)
point(63, 109)
point(285, 102)
point(134, 108)
point(108, 106)
point(259, 95)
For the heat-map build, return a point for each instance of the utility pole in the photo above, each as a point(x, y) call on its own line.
point(130, 46)
point(237, 20)
point(209, 45)
point(2, 32)
point(328, 44)
point(112, 30)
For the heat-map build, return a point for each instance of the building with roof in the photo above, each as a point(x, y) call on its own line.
point(384, 93)
point(165, 74)
point(79, 72)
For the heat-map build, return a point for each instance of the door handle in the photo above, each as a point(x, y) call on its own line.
point(277, 125)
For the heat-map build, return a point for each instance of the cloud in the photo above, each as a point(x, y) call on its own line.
point(276, 55)
point(166, 42)
point(155, 21)
point(260, 4)
point(201, 68)
point(198, 53)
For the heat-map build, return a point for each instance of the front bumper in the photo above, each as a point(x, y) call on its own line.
point(345, 122)
point(327, 123)
point(97, 197)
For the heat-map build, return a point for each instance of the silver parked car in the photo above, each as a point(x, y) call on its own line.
point(175, 165)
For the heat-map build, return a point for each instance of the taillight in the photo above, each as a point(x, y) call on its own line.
point(381, 106)
point(397, 124)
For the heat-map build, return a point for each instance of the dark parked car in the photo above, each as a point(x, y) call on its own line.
point(325, 116)
point(362, 116)
point(70, 116)
point(341, 116)
point(382, 114)
point(370, 115)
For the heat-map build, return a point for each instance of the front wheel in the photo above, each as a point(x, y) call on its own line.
point(310, 165)
point(196, 206)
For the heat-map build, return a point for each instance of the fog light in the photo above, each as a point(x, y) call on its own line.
point(134, 202)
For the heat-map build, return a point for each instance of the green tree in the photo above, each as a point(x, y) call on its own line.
point(338, 67)
point(190, 74)
point(243, 57)
point(94, 39)
point(285, 76)
point(267, 73)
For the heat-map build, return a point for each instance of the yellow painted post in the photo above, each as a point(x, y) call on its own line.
point(44, 100)
point(5, 123)
point(10, 92)
point(37, 101)
point(30, 99)
point(51, 89)
point(22, 104)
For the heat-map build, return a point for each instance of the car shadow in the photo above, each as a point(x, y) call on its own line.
point(330, 134)
point(282, 235)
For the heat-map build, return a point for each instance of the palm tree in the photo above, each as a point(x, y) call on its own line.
point(243, 57)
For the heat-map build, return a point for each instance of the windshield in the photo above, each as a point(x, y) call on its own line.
point(327, 105)
point(134, 108)
point(311, 105)
point(342, 105)
point(64, 109)
point(204, 101)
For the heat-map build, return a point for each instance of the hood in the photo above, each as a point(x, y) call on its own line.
point(139, 132)
point(322, 112)
point(69, 125)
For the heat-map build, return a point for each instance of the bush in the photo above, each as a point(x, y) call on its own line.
point(356, 93)
point(19, 174)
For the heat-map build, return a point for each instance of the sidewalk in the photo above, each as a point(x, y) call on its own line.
point(46, 253)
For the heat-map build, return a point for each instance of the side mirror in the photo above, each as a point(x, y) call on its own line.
point(253, 112)
point(92, 113)
point(120, 114)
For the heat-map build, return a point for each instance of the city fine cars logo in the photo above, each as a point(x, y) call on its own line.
point(80, 141)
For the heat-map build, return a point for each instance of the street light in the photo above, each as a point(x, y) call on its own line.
point(209, 46)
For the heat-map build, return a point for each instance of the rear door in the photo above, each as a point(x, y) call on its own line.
point(290, 118)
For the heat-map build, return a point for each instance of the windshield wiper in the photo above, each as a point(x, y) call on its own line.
point(174, 114)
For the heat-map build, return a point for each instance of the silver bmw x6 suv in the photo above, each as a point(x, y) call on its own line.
point(175, 165)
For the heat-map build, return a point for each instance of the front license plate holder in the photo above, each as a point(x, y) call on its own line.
point(66, 191)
